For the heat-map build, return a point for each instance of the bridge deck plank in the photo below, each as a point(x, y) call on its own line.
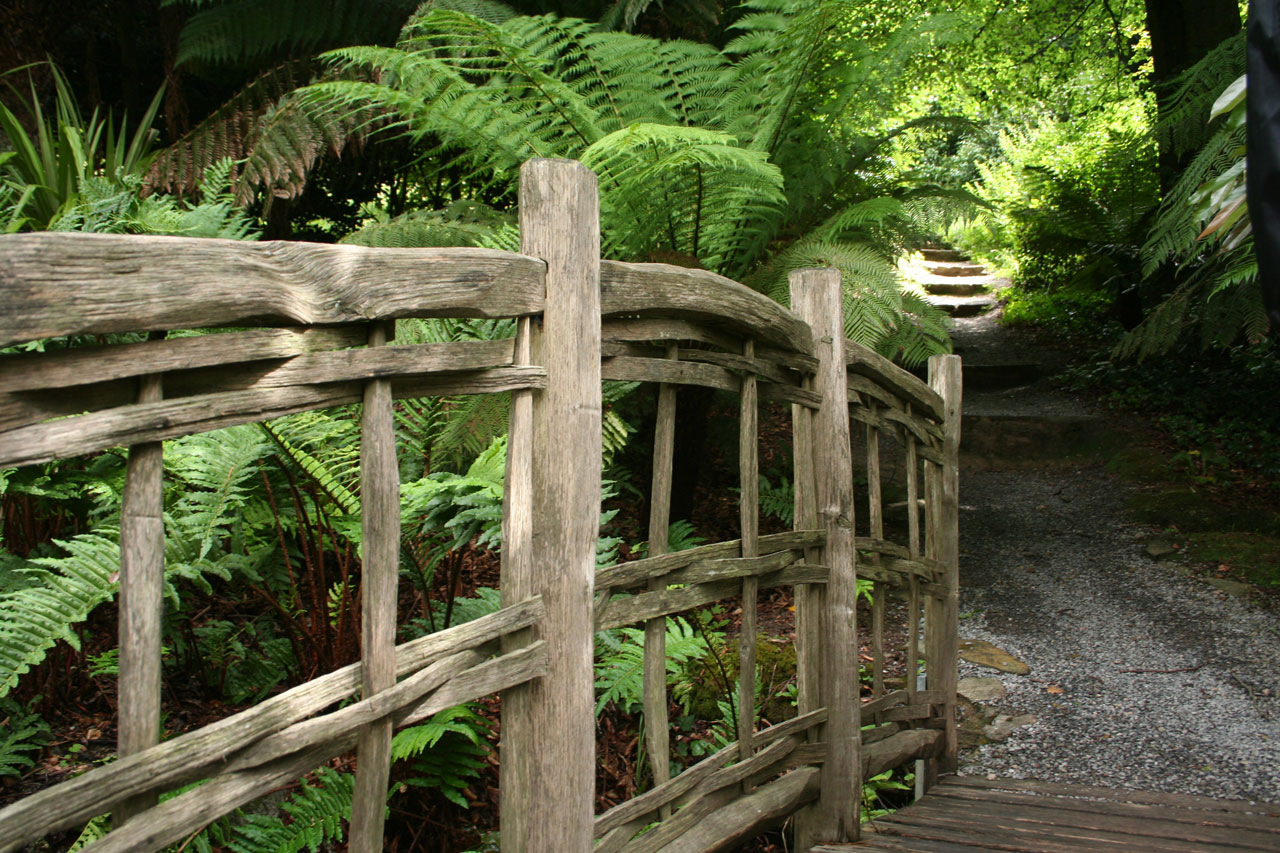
point(965, 815)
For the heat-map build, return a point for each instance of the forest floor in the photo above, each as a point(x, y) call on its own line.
point(1144, 665)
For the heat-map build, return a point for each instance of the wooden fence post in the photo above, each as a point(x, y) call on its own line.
point(379, 581)
point(942, 487)
point(816, 298)
point(551, 521)
point(141, 600)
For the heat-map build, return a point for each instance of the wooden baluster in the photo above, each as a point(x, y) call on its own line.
point(913, 603)
point(808, 597)
point(657, 724)
point(749, 521)
point(942, 500)
point(141, 600)
point(875, 507)
point(551, 521)
point(380, 574)
point(816, 298)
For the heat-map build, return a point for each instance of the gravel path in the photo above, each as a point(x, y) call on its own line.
point(1051, 573)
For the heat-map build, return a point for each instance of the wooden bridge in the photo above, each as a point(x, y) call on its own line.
point(323, 326)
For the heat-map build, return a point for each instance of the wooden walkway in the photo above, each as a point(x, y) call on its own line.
point(968, 815)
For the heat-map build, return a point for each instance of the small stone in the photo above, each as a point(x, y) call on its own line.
point(999, 729)
point(981, 689)
point(1024, 720)
point(982, 653)
point(1160, 547)
point(1230, 587)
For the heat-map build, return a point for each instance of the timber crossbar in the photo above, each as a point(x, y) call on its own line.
point(224, 333)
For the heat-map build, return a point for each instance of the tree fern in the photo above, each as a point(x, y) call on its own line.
point(239, 32)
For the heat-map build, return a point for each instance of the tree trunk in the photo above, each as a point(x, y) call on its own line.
point(1182, 32)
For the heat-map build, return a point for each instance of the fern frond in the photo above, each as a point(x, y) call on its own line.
point(317, 811)
point(63, 592)
point(620, 670)
point(243, 32)
point(274, 137)
point(326, 449)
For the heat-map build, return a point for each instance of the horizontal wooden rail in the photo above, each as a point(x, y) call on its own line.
point(864, 361)
point(410, 366)
point(638, 810)
point(92, 284)
point(697, 294)
point(626, 610)
point(185, 758)
point(175, 819)
point(638, 572)
point(168, 419)
point(38, 371)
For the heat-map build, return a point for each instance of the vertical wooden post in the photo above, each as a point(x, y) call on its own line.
point(942, 486)
point(808, 597)
point(549, 540)
point(749, 522)
point(656, 725)
point(141, 600)
point(816, 298)
point(875, 515)
point(380, 573)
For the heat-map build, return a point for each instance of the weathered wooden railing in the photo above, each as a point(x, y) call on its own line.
point(580, 319)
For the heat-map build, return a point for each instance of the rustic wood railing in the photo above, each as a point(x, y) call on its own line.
point(329, 313)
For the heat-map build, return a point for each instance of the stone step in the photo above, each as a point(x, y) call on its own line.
point(964, 306)
point(954, 270)
point(950, 255)
point(991, 438)
point(957, 288)
point(1000, 376)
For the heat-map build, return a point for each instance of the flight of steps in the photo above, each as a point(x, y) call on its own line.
point(1012, 412)
point(956, 285)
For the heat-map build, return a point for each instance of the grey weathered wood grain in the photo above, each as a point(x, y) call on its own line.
point(179, 817)
point(82, 365)
point(548, 727)
point(408, 365)
point(70, 284)
point(379, 576)
point(351, 718)
point(749, 525)
point(657, 724)
point(705, 571)
point(816, 297)
point(637, 572)
point(665, 329)
point(167, 419)
point(187, 757)
point(629, 369)
point(808, 599)
point(867, 362)
point(141, 601)
point(875, 522)
point(942, 614)
point(639, 288)
point(650, 605)
point(747, 816)
point(650, 801)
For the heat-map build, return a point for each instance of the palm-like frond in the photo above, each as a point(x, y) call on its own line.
point(274, 138)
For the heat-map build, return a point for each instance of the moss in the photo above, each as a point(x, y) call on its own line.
point(1253, 556)
point(775, 668)
point(1189, 509)
point(1139, 464)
